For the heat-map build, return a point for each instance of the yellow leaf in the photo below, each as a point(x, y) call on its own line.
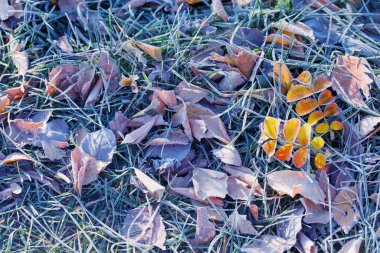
point(300, 157)
point(282, 74)
point(320, 161)
point(291, 129)
point(285, 152)
point(304, 135)
point(336, 125)
point(270, 147)
point(298, 92)
point(322, 128)
point(318, 143)
point(314, 117)
point(305, 77)
point(306, 106)
point(271, 126)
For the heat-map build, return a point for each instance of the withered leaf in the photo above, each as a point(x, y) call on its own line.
point(245, 175)
point(91, 157)
point(143, 225)
point(350, 79)
point(315, 213)
point(110, 72)
point(296, 182)
point(344, 209)
point(209, 183)
point(352, 246)
point(228, 154)
point(290, 226)
point(14, 157)
point(266, 244)
point(241, 224)
point(136, 136)
point(238, 190)
point(205, 230)
point(152, 187)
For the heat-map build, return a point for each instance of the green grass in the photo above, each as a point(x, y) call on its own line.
point(40, 220)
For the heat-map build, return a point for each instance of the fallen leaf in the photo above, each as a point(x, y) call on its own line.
point(91, 157)
point(153, 51)
point(290, 226)
point(325, 97)
point(350, 79)
point(245, 175)
point(304, 135)
point(152, 187)
point(205, 230)
point(291, 129)
point(14, 157)
point(315, 213)
point(317, 143)
point(241, 224)
point(145, 226)
point(298, 92)
point(306, 245)
point(297, 28)
point(248, 37)
point(284, 153)
point(344, 209)
point(296, 182)
point(282, 75)
point(109, 70)
point(352, 246)
point(367, 124)
point(217, 7)
point(14, 189)
point(64, 44)
point(191, 93)
point(21, 61)
point(322, 128)
point(314, 117)
point(265, 244)
point(229, 155)
point(130, 81)
point(300, 157)
point(136, 136)
point(238, 190)
point(306, 106)
point(209, 183)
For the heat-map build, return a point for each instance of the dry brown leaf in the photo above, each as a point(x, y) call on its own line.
point(64, 44)
point(290, 226)
point(152, 187)
point(130, 81)
point(305, 244)
point(297, 28)
point(153, 51)
point(350, 79)
point(241, 224)
point(128, 47)
point(229, 155)
point(344, 209)
point(136, 136)
point(190, 193)
point(217, 7)
point(266, 244)
point(109, 71)
point(191, 93)
point(91, 157)
point(352, 246)
point(14, 189)
point(368, 124)
point(14, 157)
point(144, 226)
point(205, 230)
point(296, 182)
point(245, 175)
point(315, 213)
point(209, 183)
point(238, 190)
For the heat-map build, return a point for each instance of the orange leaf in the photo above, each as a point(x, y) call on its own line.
point(291, 129)
point(280, 39)
point(298, 92)
point(322, 128)
point(325, 97)
point(285, 152)
point(318, 143)
point(320, 161)
point(304, 135)
point(314, 117)
point(320, 84)
point(300, 157)
point(270, 147)
point(331, 110)
point(305, 106)
point(282, 74)
point(336, 125)
point(271, 126)
point(305, 77)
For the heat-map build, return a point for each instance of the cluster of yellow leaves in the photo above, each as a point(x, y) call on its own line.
point(311, 98)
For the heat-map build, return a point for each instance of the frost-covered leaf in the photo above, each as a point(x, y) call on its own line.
point(151, 186)
point(209, 183)
point(205, 230)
